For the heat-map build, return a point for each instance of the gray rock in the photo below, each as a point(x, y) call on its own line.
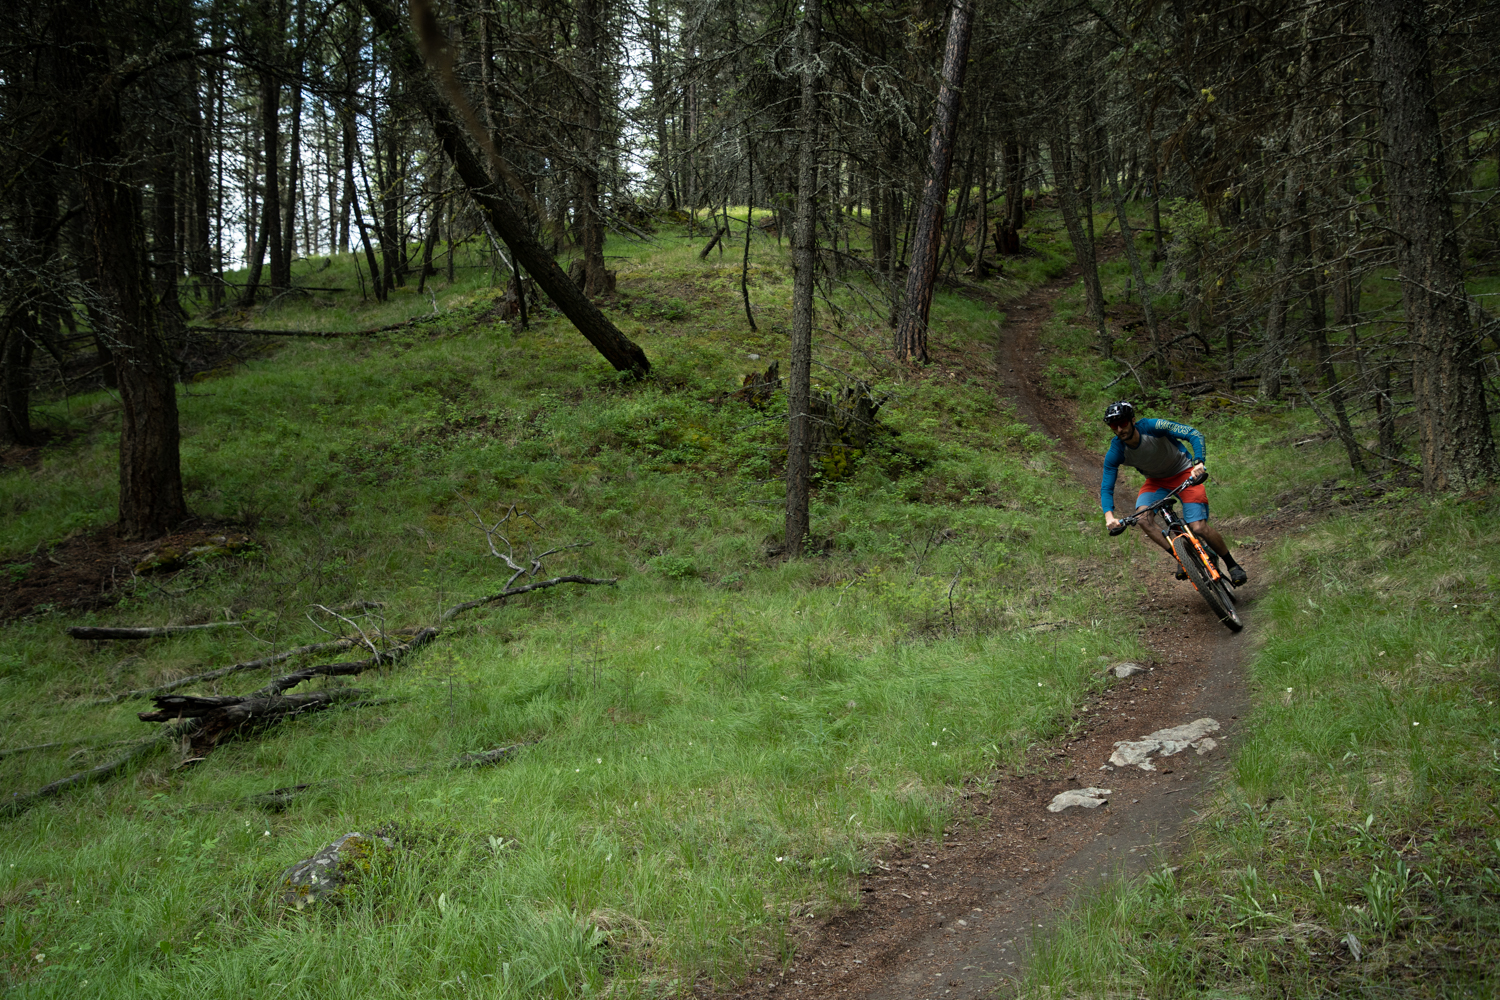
point(1165, 743)
point(321, 875)
point(1124, 670)
point(1088, 798)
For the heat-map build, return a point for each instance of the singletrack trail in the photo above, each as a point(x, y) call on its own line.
point(955, 920)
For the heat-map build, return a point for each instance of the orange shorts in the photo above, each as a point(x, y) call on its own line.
point(1194, 498)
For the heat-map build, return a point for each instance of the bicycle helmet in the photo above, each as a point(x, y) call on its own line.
point(1119, 413)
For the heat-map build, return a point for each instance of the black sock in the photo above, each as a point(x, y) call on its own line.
point(1229, 559)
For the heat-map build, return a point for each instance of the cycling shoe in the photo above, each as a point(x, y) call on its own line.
point(1181, 573)
point(1237, 575)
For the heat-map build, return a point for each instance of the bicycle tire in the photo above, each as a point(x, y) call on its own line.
point(1210, 589)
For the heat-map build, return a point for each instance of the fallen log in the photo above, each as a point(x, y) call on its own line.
point(144, 632)
point(258, 332)
point(217, 717)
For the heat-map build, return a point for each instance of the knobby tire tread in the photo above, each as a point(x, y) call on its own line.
point(1209, 588)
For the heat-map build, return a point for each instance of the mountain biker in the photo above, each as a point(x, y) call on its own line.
point(1156, 449)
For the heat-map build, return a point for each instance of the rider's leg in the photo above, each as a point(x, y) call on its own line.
point(1153, 531)
point(1210, 534)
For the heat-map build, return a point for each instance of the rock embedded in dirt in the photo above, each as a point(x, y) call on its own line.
point(1088, 798)
point(1124, 670)
point(1165, 743)
point(321, 875)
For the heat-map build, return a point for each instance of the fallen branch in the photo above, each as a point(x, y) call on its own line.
point(222, 714)
point(145, 632)
point(20, 803)
point(257, 332)
point(703, 254)
point(336, 646)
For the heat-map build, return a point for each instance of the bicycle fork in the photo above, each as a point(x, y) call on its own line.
point(1203, 554)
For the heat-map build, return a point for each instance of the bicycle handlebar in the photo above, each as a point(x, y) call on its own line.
point(1126, 522)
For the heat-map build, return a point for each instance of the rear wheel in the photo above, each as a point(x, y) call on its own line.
point(1212, 590)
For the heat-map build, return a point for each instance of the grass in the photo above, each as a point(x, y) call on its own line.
point(1354, 846)
point(713, 749)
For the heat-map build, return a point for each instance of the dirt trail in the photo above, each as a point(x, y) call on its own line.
point(954, 920)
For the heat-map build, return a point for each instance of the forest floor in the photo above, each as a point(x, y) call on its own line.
point(737, 774)
point(955, 918)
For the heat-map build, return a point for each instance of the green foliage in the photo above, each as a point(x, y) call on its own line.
point(713, 744)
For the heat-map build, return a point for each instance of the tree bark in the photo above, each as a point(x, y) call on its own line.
point(1453, 427)
point(1083, 245)
point(270, 96)
point(1278, 340)
point(911, 335)
point(1131, 253)
point(294, 157)
point(591, 220)
point(804, 263)
point(151, 500)
point(619, 350)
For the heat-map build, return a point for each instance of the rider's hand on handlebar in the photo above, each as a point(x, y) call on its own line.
point(1110, 521)
point(1200, 472)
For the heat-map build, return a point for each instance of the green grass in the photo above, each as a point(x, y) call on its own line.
point(714, 748)
point(1361, 806)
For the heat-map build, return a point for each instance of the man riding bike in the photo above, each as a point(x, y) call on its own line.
point(1156, 449)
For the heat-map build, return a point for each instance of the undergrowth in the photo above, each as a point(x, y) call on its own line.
point(708, 753)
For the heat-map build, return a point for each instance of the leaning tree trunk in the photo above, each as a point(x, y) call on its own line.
point(151, 499)
point(1453, 426)
point(805, 260)
point(911, 335)
point(619, 350)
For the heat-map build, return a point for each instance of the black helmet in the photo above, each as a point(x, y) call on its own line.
point(1119, 413)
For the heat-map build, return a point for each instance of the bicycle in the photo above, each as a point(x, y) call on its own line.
point(1192, 555)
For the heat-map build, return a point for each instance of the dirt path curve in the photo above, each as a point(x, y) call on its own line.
point(951, 920)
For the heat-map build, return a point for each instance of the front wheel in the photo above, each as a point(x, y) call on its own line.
point(1211, 589)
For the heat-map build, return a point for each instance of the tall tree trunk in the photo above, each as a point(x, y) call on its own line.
point(199, 257)
point(1317, 328)
point(359, 218)
point(591, 221)
point(1453, 427)
point(270, 96)
point(293, 159)
point(659, 104)
point(1083, 244)
point(804, 263)
point(1014, 162)
point(619, 350)
point(165, 262)
point(17, 344)
point(151, 499)
point(911, 335)
point(1158, 346)
point(1278, 339)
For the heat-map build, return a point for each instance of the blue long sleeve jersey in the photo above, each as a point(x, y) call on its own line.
point(1159, 455)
